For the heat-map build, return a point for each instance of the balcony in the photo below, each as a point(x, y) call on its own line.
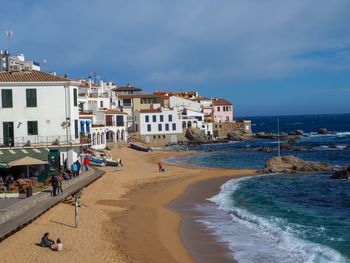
point(37, 141)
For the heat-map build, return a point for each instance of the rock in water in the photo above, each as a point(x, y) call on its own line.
point(292, 164)
point(342, 174)
point(322, 131)
point(196, 136)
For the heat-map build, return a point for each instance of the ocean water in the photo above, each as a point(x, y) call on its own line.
point(282, 218)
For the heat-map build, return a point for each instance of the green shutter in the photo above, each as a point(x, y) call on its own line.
point(6, 98)
point(32, 127)
point(76, 127)
point(31, 97)
point(75, 94)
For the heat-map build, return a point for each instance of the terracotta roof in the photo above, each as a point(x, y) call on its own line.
point(218, 101)
point(128, 88)
point(130, 96)
point(30, 76)
point(200, 98)
point(113, 111)
point(176, 93)
point(150, 111)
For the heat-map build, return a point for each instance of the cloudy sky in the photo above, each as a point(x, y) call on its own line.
point(268, 57)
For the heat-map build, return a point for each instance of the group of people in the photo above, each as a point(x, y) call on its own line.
point(5, 184)
point(47, 242)
point(66, 174)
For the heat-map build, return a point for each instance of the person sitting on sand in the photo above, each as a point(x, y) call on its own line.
point(58, 246)
point(45, 241)
point(161, 168)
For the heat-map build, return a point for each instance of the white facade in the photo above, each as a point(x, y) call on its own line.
point(51, 121)
point(181, 104)
point(162, 124)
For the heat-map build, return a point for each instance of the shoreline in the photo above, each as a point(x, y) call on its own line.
point(123, 216)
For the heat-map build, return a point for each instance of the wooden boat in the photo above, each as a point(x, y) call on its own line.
point(111, 162)
point(96, 161)
point(139, 147)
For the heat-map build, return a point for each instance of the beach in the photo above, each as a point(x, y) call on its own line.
point(124, 216)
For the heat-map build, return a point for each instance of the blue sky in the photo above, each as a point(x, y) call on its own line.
point(268, 57)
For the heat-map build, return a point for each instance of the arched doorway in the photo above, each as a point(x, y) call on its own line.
point(102, 138)
point(118, 136)
point(98, 142)
point(110, 136)
point(94, 139)
point(122, 135)
point(183, 125)
point(189, 124)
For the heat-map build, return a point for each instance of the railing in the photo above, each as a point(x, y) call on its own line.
point(36, 141)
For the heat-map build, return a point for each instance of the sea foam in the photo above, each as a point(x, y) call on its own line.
point(254, 238)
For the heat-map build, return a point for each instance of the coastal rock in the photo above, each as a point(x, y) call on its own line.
point(292, 164)
point(322, 131)
point(297, 132)
point(196, 136)
point(239, 136)
point(289, 147)
point(342, 174)
point(264, 149)
point(263, 135)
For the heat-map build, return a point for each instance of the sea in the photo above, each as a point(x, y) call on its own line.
point(281, 218)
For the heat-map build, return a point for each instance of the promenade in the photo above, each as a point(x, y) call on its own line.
point(15, 214)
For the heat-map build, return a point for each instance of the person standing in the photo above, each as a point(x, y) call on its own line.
point(86, 163)
point(55, 184)
point(79, 166)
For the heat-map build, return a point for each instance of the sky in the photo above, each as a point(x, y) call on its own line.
point(267, 57)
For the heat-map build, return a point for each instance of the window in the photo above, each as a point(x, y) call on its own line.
point(146, 118)
point(101, 104)
point(6, 98)
point(163, 136)
point(75, 97)
point(159, 127)
point(218, 108)
point(76, 129)
point(120, 121)
point(31, 97)
point(167, 126)
point(32, 127)
point(161, 118)
point(170, 118)
point(154, 137)
point(174, 126)
point(127, 102)
point(154, 117)
point(149, 127)
point(159, 136)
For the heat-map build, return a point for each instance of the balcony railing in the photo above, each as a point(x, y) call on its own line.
point(36, 141)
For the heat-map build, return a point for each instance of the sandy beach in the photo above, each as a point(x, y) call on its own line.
point(123, 216)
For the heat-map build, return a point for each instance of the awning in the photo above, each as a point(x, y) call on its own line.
point(7, 156)
point(3, 165)
point(26, 161)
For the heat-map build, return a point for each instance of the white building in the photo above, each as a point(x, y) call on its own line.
point(100, 122)
point(39, 110)
point(158, 126)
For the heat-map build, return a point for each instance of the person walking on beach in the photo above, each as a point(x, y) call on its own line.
point(160, 166)
point(55, 184)
point(86, 163)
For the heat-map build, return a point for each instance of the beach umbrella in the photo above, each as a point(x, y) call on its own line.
point(26, 161)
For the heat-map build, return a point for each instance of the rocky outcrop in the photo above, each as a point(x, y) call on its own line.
point(196, 136)
point(264, 149)
point(322, 131)
point(297, 132)
point(342, 174)
point(292, 164)
point(239, 136)
point(289, 147)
